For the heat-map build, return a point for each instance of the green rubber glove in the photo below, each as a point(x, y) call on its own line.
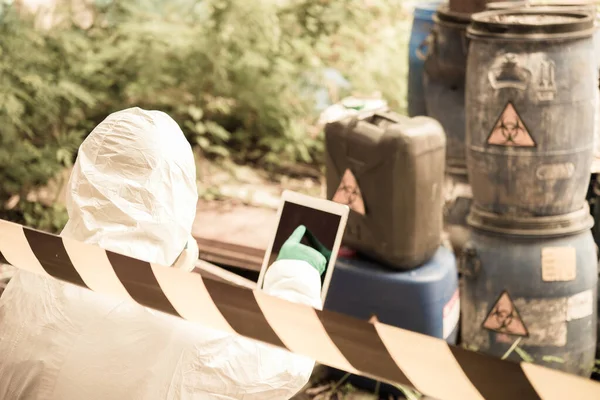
point(315, 244)
point(292, 249)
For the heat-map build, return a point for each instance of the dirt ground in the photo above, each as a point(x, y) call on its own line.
point(322, 388)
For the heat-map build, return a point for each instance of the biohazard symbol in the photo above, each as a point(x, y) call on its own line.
point(509, 130)
point(504, 318)
point(349, 193)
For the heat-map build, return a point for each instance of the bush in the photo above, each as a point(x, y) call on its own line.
point(239, 76)
point(44, 99)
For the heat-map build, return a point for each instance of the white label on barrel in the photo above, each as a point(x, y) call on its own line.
point(580, 305)
point(551, 172)
point(559, 264)
point(450, 315)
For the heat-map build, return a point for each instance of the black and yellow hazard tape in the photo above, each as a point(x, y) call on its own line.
point(371, 349)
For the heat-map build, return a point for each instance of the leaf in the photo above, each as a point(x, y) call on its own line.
point(218, 150)
point(524, 355)
point(217, 130)
point(553, 359)
point(203, 142)
point(195, 112)
point(199, 128)
point(64, 157)
point(78, 92)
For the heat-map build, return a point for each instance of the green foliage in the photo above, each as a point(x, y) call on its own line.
point(239, 77)
point(47, 218)
point(44, 98)
point(235, 74)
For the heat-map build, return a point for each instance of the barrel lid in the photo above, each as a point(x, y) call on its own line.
point(532, 23)
point(426, 11)
point(547, 226)
point(444, 14)
point(575, 4)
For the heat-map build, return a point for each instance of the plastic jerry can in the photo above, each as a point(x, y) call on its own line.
point(389, 169)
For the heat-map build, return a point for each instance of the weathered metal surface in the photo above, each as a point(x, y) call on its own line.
point(531, 297)
point(531, 101)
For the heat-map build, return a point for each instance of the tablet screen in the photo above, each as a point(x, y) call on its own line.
point(320, 225)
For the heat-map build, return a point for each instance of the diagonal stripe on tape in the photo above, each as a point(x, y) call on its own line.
point(352, 337)
point(16, 249)
point(96, 271)
point(291, 321)
point(556, 385)
point(242, 312)
point(3, 260)
point(495, 379)
point(429, 363)
point(139, 281)
point(51, 253)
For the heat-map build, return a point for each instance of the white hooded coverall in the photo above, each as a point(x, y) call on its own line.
point(133, 191)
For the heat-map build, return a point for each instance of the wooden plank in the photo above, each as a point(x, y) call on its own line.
point(214, 272)
point(234, 235)
point(231, 254)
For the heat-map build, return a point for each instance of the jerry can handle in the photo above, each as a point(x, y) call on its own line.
point(387, 116)
point(469, 263)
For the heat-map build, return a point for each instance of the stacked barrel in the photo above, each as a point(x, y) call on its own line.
point(444, 85)
point(530, 273)
point(418, 45)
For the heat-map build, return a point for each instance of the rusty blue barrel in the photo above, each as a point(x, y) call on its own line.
point(531, 100)
point(588, 6)
point(417, 48)
point(444, 82)
point(530, 293)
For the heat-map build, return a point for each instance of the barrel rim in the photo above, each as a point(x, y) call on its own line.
point(542, 226)
point(481, 26)
point(445, 16)
point(506, 5)
point(426, 10)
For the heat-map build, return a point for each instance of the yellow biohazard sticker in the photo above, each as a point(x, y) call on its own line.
point(504, 318)
point(349, 193)
point(510, 130)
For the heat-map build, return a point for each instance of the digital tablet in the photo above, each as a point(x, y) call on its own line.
point(324, 220)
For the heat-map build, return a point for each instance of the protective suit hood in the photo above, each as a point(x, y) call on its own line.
point(140, 202)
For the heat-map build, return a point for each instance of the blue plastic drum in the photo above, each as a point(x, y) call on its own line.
point(424, 300)
point(422, 24)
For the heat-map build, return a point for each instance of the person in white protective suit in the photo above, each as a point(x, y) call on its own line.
point(133, 191)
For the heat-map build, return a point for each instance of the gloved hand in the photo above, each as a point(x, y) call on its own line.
point(315, 244)
point(292, 249)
